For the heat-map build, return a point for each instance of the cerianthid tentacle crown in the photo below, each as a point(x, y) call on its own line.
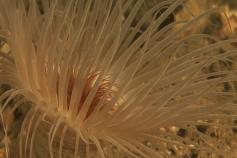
point(101, 77)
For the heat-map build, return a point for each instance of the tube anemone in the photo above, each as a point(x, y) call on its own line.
point(96, 80)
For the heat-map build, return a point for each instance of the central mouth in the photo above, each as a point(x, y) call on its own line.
point(103, 93)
